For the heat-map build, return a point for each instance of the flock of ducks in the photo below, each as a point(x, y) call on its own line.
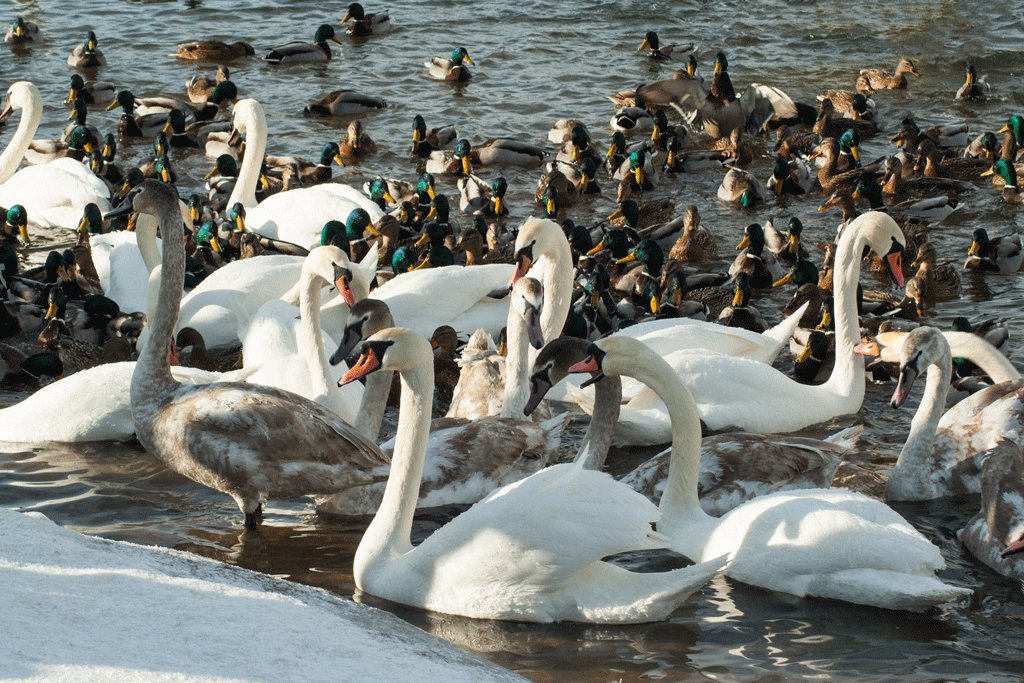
point(271, 283)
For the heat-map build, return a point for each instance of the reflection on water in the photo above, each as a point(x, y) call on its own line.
point(539, 62)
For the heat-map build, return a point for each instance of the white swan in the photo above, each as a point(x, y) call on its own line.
point(245, 440)
point(730, 473)
point(543, 243)
point(530, 551)
point(55, 193)
point(943, 454)
point(222, 304)
point(90, 405)
point(466, 458)
point(996, 534)
point(451, 295)
point(288, 353)
point(751, 396)
point(820, 542)
point(295, 216)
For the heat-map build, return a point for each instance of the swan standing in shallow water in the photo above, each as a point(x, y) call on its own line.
point(943, 454)
point(818, 542)
point(245, 440)
point(55, 193)
point(530, 551)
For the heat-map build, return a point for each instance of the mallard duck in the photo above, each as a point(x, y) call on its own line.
point(298, 51)
point(855, 105)
point(35, 371)
point(21, 31)
point(627, 119)
point(931, 164)
point(1011, 193)
point(87, 55)
point(829, 123)
point(696, 243)
point(79, 144)
point(78, 116)
point(901, 188)
point(345, 103)
point(659, 52)
point(450, 68)
point(638, 173)
point(692, 161)
point(829, 176)
point(792, 177)
point(993, 330)
point(492, 152)
point(759, 263)
point(637, 217)
point(740, 313)
point(716, 109)
point(192, 349)
point(200, 87)
point(15, 227)
point(946, 136)
point(984, 146)
point(472, 242)
point(90, 92)
point(740, 187)
point(974, 88)
point(438, 255)
point(692, 297)
point(362, 24)
point(878, 79)
point(483, 198)
point(213, 50)
point(356, 144)
point(932, 209)
point(1003, 254)
point(426, 141)
point(132, 126)
point(811, 360)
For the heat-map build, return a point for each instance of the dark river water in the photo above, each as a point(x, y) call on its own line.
point(538, 62)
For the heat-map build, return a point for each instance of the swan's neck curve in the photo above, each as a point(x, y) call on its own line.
point(145, 238)
point(311, 336)
point(517, 384)
point(598, 439)
point(847, 378)
point(557, 283)
point(918, 452)
point(255, 148)
point(984, 355)
point(680, 506)
point(12, 155)
point(374, 404)
point(152, 379)
point(388, 535)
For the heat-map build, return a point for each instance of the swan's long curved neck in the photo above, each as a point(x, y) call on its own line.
point(557, 283)
point(255, 148)
point(374, 404)
point(145, 238)
point(388, 535)
point(153, 370)
point(517, 389)
point(984, 355)
point(311, 336)
point(918, 449)
point(847, 377)
point(598, 439)
point(680, 506)
point(16, 148)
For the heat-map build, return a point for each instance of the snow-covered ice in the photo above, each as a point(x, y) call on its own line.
point(78, 608)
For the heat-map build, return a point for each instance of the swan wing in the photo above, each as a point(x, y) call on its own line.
point(539, 532)
point(298, 216)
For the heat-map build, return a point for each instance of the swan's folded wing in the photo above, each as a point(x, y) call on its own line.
point(225, 411)
point(540, 531)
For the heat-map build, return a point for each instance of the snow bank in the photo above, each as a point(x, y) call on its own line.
point(78, 608)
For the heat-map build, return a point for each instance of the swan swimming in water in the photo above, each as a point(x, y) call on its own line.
point(530, 551)
point(826, 543)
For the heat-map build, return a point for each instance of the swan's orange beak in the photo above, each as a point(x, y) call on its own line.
point(367, 363)
point(588, 364)
point(895, 263)
point(523, 264)
point(1013, 548)
point(342, 283)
